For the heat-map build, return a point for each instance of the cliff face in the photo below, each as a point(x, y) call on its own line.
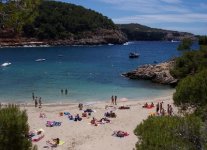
point(102, 36)
point(159, 73)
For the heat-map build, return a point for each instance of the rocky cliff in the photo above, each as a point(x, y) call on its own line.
point(159, 73)
point(101, 36)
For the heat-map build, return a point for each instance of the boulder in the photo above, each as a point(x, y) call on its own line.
point(159, 73)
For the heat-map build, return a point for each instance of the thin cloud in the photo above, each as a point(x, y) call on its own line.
point(163, 18)
point(172, 1)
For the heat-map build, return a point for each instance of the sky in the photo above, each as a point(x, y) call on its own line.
point(180, 15)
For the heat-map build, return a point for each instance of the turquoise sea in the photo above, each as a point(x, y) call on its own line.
point(90, 73)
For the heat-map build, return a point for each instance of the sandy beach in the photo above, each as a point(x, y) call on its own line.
point(81, 135)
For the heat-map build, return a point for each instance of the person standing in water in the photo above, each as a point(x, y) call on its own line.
point(40, 102)
point(33, 97)
point(36, 103)
point(66, 91)
point(115, 100)
point(112, 99)
point(62, 91)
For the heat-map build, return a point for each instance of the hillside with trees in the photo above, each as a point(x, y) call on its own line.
point(138, 32)
point(188, 129)
point(55, 23)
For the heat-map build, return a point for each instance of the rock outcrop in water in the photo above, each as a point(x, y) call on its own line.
point(159, 73)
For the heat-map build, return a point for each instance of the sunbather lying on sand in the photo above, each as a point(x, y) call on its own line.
point(120, 133)
point(110, 114)
point(146, 105)
point(124, 107)
point(53, 142)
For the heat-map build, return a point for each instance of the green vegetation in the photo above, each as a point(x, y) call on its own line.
point(49, 19)
point(65, 20)
point(137, 32)
point(185, 44)
point(15, 14)
point(188, 131)
point(14, 129)
point(192, 91)
point(190, 63)
point(171, 133)
point(203, 40)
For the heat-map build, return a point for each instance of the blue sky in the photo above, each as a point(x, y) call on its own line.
point(181, 15)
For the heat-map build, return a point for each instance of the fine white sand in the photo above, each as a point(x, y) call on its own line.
point(82, 135)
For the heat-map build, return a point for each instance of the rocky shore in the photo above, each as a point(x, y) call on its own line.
point(159, 73)
point(102, 36)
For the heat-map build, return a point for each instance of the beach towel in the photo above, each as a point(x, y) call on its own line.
point(61, 142)
point(53, 123)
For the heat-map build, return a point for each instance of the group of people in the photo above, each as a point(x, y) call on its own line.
point(66, 91)
point(37, 100)
point(114, 100)
point(160, 109)
point(146, 105)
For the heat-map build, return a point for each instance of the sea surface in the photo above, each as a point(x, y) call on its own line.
point(89, 73)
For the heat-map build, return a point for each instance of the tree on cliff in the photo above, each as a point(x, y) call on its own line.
point(14, 129)
point(65, 20)
point(15, 14)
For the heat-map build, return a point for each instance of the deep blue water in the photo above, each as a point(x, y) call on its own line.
point(90, 73)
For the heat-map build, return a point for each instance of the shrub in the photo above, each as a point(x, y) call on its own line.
point(170, 133)
point(14, 129)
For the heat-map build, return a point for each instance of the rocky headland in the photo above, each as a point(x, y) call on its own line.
point(159, 73)
point(102, 36)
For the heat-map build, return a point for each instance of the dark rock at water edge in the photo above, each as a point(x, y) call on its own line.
point(159, 73)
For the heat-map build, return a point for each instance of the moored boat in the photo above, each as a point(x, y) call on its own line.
point(133, 55)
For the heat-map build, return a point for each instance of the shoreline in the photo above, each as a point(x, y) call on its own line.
point(72, 103)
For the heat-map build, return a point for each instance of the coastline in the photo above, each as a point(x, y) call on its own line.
point(57, 103)
point(84, 136)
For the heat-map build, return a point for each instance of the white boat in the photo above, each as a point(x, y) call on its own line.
point(5, 64)
point(41, 59)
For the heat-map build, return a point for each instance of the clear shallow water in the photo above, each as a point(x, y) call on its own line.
point(90, 73)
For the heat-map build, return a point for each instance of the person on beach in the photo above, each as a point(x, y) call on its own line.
point(53, 142)
point(36, 103)
point(112, 99)
point(66, 91)
point(33, 97)
point(161, 106)
point(62, 91)
point(80, 106)
point(40, 102)
point(168, 109)
point(115, 100)
point(162, 112)
point(157, 107)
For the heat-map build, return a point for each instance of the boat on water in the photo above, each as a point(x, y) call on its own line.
point(5, 64)
point(133, 55)
point(41, 59)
